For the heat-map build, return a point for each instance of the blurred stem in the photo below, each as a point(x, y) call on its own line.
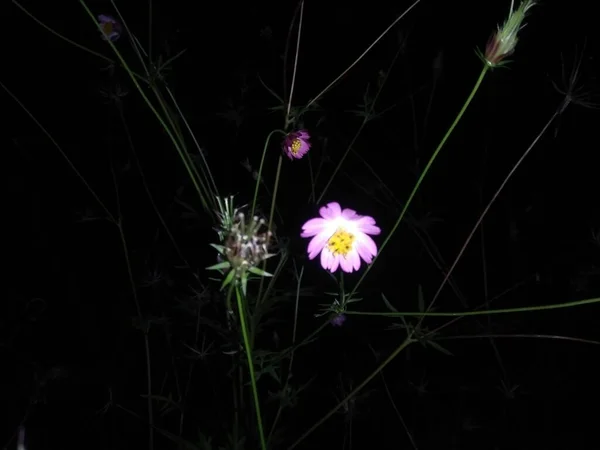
point(409, 340)
point(145, 330)
point(109, 215)
point(242, 318)
point(145, 326)
point(304, 341)
point(289, 372)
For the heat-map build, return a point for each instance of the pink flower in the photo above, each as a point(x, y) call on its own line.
point(111, 29)
point(296, 144)
point(341, 237)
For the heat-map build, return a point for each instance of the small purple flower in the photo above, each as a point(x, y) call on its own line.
point(296, 144)
point(338, 320)
point(111, 29)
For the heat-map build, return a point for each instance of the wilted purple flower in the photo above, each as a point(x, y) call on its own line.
point(338, 320)
point(342, 238)
point(296, 144)
point(111, 29)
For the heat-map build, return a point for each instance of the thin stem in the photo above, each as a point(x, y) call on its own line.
point(144, 326)
point(424, 173)
point(199, 182)
point(461, 314)
point(260, 169)
point(188, 382)
point(289, 103)
point(236, 400)
point(312, 179)
point(147, 188)
point(185, 122)
point(360, 128)
point(352, 394)
point(275, 189)
point(242, 317)
point(64, 155)
point(273, 200)
point(154, 111)
point(362, 54)
point(150, 11)
point(135, 43)
point(285, 53)
point(337, 168)
point(304, 341)
point(488, 206)
point(289, 372)
point(521, 336)
point(66, 39)
point(389, 394)
point(60, 36)
point(484, 273)
point(145, 332)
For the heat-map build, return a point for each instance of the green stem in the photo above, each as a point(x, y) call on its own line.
point(423, 174)
point(242, 317)
point(271, 213)
point(236, 400)
point(588, 301)
point(160, 119)
point(409, 339)
point(275, 188)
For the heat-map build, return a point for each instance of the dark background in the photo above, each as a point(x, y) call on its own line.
point(66, 333)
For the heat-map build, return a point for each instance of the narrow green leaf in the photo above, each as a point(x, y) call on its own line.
point(220, 266)
point(244, 283)
point(228, 278)
point(186, 206)
point(219, 248)
point(259, 272)
point(388, 304)
point(438, 347)
point(270, 90)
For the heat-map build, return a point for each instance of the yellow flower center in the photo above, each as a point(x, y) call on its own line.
point(108, 28)
point(295, 147)
point(341, 242)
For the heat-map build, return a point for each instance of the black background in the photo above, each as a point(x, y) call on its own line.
point(66, 331)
